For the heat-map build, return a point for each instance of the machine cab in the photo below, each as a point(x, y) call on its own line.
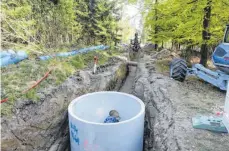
point(226, 36)
point(221, 54)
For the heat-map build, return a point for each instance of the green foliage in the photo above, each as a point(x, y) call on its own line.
point(32, 95)
point(99, 21)
point(77, 62)
point(163, 65)
point(132, 1)
point(16, 25)
point(181, 21)
point(40, 24)
point(47, 27)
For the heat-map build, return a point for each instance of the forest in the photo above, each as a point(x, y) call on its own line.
point(42, 24)
point(187, 24)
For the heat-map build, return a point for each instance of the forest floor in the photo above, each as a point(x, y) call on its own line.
point(170, 106)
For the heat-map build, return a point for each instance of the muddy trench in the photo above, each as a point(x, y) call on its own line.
point(169, 108)
point(122, 84)
point(126, 85)
point(49, 130)
point(144, 82)
point(117, 83)
point(43, 125)
point(150, 88)
point(167, 128)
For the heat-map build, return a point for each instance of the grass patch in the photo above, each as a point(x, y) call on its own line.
point(163, 65)
point(77, 62)
point(17, 78)
point(121, 72)
point(32, 95)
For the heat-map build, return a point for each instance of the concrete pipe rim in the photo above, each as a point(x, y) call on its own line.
point(142, 108)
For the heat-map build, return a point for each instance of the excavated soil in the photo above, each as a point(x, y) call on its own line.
point(170, 105)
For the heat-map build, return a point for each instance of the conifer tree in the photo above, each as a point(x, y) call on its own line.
point(45, 24)
point(191, 23)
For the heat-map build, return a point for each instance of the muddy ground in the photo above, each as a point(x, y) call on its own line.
point(170, 105)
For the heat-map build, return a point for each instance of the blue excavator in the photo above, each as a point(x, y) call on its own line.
point(219, 78)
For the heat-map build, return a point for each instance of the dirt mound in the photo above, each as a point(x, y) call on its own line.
point(43, 125)
point(170, 105)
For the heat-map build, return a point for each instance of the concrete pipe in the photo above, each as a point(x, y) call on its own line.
point(129, 63)
point(88, 132)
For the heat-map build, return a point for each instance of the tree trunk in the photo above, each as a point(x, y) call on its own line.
point(176, 46)
point(205, 33)
point(156, 27)
point(172, 45)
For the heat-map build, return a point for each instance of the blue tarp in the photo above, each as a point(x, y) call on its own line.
point(11, 57)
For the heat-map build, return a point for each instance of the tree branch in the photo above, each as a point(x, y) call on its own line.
point(192, 2)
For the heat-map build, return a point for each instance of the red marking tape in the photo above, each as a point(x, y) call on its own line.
point(39, 81)
point(4, 100)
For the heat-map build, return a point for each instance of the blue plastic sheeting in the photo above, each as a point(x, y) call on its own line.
point(74, 52)
point(11, 57)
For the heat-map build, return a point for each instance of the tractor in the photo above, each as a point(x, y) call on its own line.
point(219, 78)
point(135, 48)
point(135, 44)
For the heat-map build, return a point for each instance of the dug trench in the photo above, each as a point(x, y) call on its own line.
point(43, 125)
point(169, 108)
